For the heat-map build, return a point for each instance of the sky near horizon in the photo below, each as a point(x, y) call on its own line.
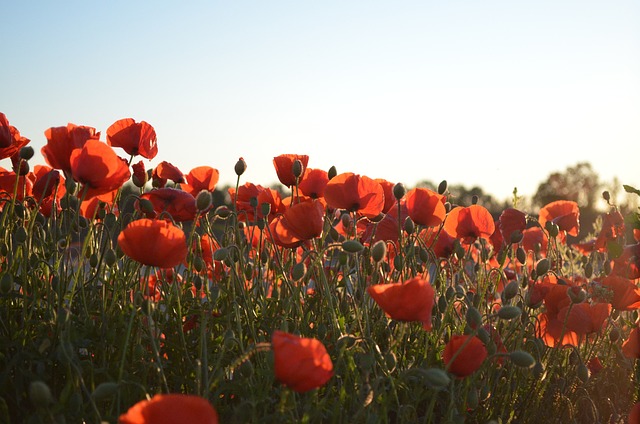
point(497, 94)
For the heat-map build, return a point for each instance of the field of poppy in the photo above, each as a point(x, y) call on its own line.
point(127, 296)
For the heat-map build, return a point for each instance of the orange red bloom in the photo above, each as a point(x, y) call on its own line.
point(154, 243)
point(97, 167)
point(136, 138)
point(631, 346)
point(425, 207)
point(355, 193)
point(61, 141)
point(284, 167)
point(469, 223)
point(171, 409)
point(201, 178)
point(564, 213)
point(10, 139)
point(177, 203)
point(412, 300)
point(300, 222)
point(301, 363)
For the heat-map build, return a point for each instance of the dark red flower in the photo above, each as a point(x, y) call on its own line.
point(177, 203)
point(166, 171)
point(302, 364)
point(135, 138)
point(10, 139)
point(585, 318)
point(628, 264)
point(463, 355)
point(626, 294)
point(510, 221)
point(631, 346)
point(410, 301)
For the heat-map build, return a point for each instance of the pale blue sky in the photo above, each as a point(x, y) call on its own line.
point(491, 93)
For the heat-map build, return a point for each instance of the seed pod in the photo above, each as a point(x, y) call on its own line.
point(240, 167)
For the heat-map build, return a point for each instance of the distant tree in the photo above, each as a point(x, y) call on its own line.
point(578, 183)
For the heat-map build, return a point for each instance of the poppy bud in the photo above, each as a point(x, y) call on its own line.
point(447, 207)
point(221, 254)
point(6, 283)
point(204, 200)
point(583, 371)
point(509, 312)
point(26, 152)
point(552, 229)
point(332, 172)
point(105, 390)
point(522, 359)
point(110, 257)
point(474, 318)
point(437, 379)
point(542, 267)
point(298, 271)
point(614, 335)
point(605, 194)
point(265, 209)
point(399, 191)
point(409, 227)
point(379, 251)
point(576, 294)
point(70, 185)
point(442, 187)
point(588, 270)
point(40, 394)
point(240, 167)
point(352, 246)
point(511, 290)
point(222, 212)
point(146, 206)
point(297, 169)
point(474, 199)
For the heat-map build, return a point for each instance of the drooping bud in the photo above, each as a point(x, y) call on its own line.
point(332, 172)
point(352, 246)
point(511, 290)
point(577, 294)
point(474, 318)
point(516, 236)
point(522, 359)
point(605, 195)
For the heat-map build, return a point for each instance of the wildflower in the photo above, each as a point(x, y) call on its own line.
point(302, 364)
point(631, 346)
point(201, 178)
point(585, 318)
point(97, 167)
point(313, 183)
point(177, 203)
point(355, 193)
point(61, 141)
point(464, 354)
point(10, 139)
point(164, 172)
point(425, 207)
point(302, 221)
point(171, 409)
point(469, 223)
point(136, 138)
point(564, 213)
point(389, 199)
point(510, 221)
point(284, 167)
point(626, 294)
point(154, 243)
point(628, 264)
point(412, 300)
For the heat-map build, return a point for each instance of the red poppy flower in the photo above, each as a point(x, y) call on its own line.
point(300, 222)
point(464, 355)
point(284, 166)
point(511, 220)
point(469, 223)
point(135, 138)
point(626, 294)
point(248, 191)
point(585, 318)
point(97, 167)
point(425, 207)
point(412, 300)
point(313, 183)
point(302, 364)
point(154, 243)
point(177, 203)
point(199, 179)
point(61, 141)
point(634, 414)
point(631, 346)
point(47, 182)
point(139, 177)
point(389, 198)
point(90, 207)
point(166, 171)
point(554, 333)
point(355, 193)
point(8, 181)
point(171, 409)
point(564, 213)
point(535, 237)
point(10, 139)
point(628, 264)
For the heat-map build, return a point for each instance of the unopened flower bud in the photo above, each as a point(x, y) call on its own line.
point(552, 229)
point(522, 359)
point(204, 200)
point(240, 167)
point(146, 206)
point(442, 187)
point(606, 196)
point(509, 312)
point(399, 191)
point(26, 152)
point(40, 394)
point(332, 172)
point(474, 318)
point(474, 199)
point(352, 246)
point(577, 294)
point(409, 226)
point(297, 169)
point(516, 236)
point(511, 290)
point(265, 209)
point(542, 267)
point(437, 378)
point(379, 251)
point(298, 271)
